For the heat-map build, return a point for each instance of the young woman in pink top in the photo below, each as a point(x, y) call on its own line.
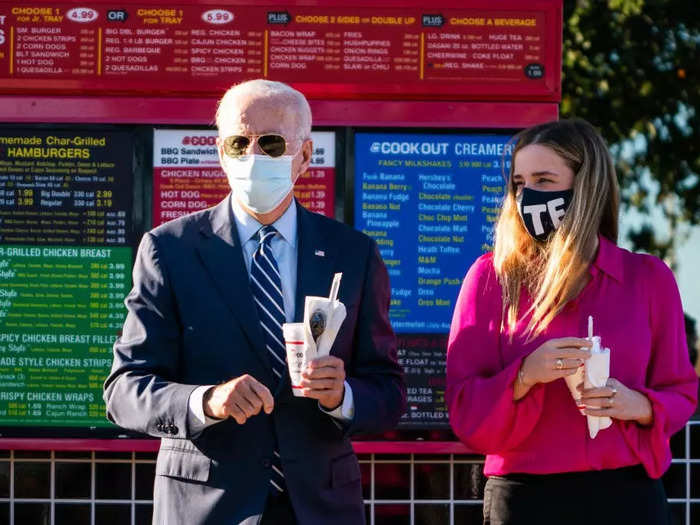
point(518, 330)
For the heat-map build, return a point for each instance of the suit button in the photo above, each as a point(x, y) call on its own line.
point(173, 429)
point(266, 463)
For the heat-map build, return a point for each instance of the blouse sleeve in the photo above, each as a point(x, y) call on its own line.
point(479, 393)
point(671, 382)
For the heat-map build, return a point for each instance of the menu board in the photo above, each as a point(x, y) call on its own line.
point(187, 175)
point(422, 357)
point(430, 201)
point(65, 267)
point(65, 188)
point(329, 52)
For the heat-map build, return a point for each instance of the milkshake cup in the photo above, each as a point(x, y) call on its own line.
point(299, 354)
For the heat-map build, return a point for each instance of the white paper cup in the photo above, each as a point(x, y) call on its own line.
point(298, 353)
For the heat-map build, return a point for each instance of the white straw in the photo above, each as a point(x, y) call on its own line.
point(335, 287)
point(590, 326)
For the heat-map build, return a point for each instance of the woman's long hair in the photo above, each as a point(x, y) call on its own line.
point(555, 271)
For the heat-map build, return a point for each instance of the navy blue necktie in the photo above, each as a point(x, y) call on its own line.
point(266, 286)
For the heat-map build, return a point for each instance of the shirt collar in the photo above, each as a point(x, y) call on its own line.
point(247, 226)
point(608, 259)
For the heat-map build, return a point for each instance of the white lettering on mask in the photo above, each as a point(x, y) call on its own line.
point(556, 212)
point(536, 210)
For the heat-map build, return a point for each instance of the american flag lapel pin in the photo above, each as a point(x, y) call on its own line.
point(320, 253)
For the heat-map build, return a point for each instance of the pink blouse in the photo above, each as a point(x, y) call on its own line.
point(637, 312)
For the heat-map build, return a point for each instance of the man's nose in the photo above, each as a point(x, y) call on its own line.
point(254, 147)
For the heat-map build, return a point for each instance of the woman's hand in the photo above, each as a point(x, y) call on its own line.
point(554, 359)
point(617, 401)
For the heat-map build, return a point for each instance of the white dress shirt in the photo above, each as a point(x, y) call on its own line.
point(284, 248)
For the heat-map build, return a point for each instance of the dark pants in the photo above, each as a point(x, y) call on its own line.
point(278, 510)
point(614, 497)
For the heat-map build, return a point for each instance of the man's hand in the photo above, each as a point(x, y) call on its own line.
point(240, 398)
point(324, 379)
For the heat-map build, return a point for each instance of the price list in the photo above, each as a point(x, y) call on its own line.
point(340, 51)
point(346, 44)
point(65, 188)
point(42, 47)
point(60, 310)
point(430, 202)
point(422, 357)
point(315, 189)
point(496, 45)
point(165, 42)
point(187, 175)
point(65, 268)
point(147, 43)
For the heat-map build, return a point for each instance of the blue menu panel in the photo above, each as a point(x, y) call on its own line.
point(430, 201)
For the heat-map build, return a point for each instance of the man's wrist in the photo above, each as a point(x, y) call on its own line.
point(340, 402)
point(205, 403)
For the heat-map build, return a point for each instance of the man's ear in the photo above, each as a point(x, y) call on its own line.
point(220, 149)
point(307, 149)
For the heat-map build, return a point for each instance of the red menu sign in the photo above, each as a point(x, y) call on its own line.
point(328, 52)
point(187, 175)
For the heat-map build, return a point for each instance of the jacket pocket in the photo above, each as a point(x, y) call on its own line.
point(345, 470)
point(185, 462)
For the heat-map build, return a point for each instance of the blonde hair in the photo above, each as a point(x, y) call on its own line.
point(556, 270)
point(267, 88)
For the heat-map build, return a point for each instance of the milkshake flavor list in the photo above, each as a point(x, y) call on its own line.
point(446, 191)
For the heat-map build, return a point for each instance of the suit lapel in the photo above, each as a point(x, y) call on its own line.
point(221, 253)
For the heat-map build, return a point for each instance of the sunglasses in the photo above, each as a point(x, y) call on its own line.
point(271, 144)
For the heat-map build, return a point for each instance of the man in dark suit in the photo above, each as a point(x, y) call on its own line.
point(200, 363)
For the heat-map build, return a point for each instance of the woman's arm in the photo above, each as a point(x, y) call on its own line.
point(480, 387)
point(671, 384)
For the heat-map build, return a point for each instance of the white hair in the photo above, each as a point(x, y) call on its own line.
point(261, 88)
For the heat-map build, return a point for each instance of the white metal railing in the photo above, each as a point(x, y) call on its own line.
point(446, 502)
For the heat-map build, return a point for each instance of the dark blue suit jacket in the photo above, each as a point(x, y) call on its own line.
point(192, 321)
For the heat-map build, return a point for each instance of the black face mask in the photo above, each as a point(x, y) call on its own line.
point(542, 211)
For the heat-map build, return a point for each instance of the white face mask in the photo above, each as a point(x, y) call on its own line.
point(260, 182)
